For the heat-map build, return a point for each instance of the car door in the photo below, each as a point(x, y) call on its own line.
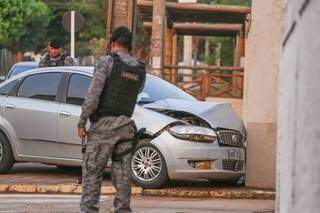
point(31, 113)
point(69, 144)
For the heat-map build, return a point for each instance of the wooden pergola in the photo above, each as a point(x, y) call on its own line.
point(167, 20)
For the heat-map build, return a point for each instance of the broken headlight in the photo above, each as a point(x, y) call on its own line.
point(193, 133)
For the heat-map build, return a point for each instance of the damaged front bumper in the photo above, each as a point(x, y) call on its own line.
point(197, 160)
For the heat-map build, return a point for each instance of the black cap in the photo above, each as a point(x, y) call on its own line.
point(54, 44)
point(120, 31)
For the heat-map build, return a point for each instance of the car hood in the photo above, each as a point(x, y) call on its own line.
point(151, 120)
point(217, 114)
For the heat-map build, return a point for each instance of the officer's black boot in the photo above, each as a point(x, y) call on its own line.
point(79, 180)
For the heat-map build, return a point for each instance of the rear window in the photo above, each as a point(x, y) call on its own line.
point(20, 69)
point(7, 88)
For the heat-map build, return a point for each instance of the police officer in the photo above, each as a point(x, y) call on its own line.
point(118, 79)
point(56, 57)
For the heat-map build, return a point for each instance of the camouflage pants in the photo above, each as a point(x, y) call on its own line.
point(99, 149)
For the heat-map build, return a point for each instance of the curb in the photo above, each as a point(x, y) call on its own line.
point(57, 189)
point(243, 193)
point(219, 193)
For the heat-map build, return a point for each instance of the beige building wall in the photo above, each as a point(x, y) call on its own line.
point(263, 47)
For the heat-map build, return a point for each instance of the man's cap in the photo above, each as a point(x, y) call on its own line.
point(119, 32)
point(54, 44)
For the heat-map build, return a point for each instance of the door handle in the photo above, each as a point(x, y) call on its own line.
point(9, 106)
point(64, 114)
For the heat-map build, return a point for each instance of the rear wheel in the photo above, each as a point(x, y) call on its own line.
point(149, 169)
point(6, 154)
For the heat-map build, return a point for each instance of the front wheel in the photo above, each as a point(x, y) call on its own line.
point(149, 169)
point(6, 154)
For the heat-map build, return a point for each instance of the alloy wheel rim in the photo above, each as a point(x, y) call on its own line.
point(146, 164)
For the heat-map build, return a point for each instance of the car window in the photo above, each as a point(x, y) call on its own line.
point(6, 89)
point(20, 69)
point(78, 88)
point(42, 86)
point(156, 89)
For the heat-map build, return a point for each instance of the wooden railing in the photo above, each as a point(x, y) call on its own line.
point(207, 81)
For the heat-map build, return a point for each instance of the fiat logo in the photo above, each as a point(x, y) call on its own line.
point(234, 138)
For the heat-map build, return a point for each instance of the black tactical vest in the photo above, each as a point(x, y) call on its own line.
point(121, 89)
point(54, 63)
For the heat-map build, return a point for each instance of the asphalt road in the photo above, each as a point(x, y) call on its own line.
point(69, 203)
point(37, 173)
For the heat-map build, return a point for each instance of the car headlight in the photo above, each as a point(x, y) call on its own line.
point(193, 133)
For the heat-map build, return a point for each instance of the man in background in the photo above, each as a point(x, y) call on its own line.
point(56, 57)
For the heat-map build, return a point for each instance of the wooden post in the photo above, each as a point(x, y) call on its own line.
point(199, 27)
point(175, 57)
point(236, 63)
point(168, 50)
point(207, 49)
point(242, 55)
point(120, 13)
point(199, 7)
point(157, 38)
point(237, 80)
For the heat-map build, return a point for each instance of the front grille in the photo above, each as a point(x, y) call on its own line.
point(232, 165)
point(230, 138)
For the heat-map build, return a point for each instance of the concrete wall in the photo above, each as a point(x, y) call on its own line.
point(263, 47)
point(299, 110)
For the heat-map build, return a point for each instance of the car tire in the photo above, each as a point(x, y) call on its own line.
point(6, 154)
point(148, 172)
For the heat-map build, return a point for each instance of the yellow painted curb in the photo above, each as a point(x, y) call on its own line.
point(243, 193)
point(57, 189)
point(238, 193)
point(22, 188)
point(3, 187)
point(47, 188)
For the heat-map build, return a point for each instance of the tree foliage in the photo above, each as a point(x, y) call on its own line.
point(22, 23)
point(28, 25)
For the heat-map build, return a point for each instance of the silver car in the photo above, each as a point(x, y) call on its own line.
point(185, 138)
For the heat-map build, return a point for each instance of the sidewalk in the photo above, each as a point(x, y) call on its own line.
point(39, 178)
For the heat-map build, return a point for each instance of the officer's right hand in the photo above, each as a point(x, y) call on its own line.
point(82, 133)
